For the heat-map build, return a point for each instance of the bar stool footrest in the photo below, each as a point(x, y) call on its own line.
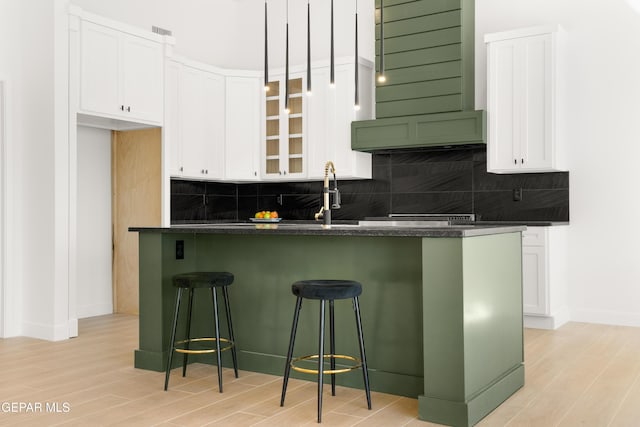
point(326, 371)
point(229, 345)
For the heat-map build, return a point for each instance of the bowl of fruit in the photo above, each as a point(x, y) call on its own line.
point(266, 216)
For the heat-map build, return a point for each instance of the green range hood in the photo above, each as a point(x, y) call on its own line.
point(428, 97)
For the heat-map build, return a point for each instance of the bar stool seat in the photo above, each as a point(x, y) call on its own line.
point(202, 280)
point(326, 290)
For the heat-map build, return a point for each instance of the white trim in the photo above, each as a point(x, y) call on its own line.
point(92, 310)
point(606, 317)
point(522, 32)
point(546, 322)
point(10, 311)
point(2, 215)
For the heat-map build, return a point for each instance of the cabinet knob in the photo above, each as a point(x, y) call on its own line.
point(206, 171)
point(255, 173)
point(181, 169)
point(285, 172)
point(202, 171)
point(280, 173)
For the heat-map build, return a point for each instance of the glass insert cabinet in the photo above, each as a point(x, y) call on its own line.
point(284, 140)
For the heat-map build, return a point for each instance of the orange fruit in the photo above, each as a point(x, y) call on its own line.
point(274, 214)
point(260, 214)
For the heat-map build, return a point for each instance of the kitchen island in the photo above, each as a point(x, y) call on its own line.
point(441, 307)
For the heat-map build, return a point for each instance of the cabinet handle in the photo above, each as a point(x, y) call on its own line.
point(522, 161)
point(515, 161)
point(202, 171)
point(279, 172)
point(122, 107)
point(285, 172)
point(206, 171)
point(181, 169)
point(129, 109)
point(255, 173)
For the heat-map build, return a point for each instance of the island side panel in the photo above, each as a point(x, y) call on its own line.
point(473, 310)
point(158, 264)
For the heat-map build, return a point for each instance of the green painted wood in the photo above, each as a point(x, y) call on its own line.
point(442, 317)
point(436, 104)
point(428, 39)
point(393, 12)
point(422, 57)
point(419, 90)
point(468, 54)
point(419, 24)
point(472, 287)
point(261, 295)
point(421, 73)
point(464, 127)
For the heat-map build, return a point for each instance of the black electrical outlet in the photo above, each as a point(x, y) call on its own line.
point(517, 194)
point(179, 249)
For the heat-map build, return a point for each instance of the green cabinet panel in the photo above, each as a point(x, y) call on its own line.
point(398, 10)
point(419, 24)
point(463, 127)
point(421, 73)
point(419, 90)
point(419, 106)
point(421, 57)
point(421, 40)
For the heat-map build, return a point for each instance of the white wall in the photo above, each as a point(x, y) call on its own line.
point(94, 242)
point(36, 293)
point(603, 138)
point(230, 33)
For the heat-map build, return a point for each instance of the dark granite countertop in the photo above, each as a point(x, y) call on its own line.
point(342, 228)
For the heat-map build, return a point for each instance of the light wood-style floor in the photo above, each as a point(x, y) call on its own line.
point(581, 374)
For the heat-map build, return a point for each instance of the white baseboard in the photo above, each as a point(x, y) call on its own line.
point(46, 332)
point(92, 310)
point(546, 322)
point(606, 317)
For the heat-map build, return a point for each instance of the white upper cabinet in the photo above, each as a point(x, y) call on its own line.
point(195, 121)
point(524, 101)
point(121, 74)
point(242, 136)
point(330, 113)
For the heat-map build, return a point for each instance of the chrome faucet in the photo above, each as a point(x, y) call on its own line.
point(325, 210)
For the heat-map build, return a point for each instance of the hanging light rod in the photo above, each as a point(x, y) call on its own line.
point(266, 49)
point(308, 48)
point(332, 80)
point(356, 104)
point(286, 69)
point(381, 77)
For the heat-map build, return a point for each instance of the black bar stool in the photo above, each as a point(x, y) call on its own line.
point(190, 282)
point(326, 290)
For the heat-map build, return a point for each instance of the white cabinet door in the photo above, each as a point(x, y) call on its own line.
point(283, 153)
point(142, 78)
point(243, 95)
point(214, 125)
point(100, 69)
point(329, 117)
point(533, 280)
point(121, 75)
point(201, 123)
point(522, 102)
point(171, 129)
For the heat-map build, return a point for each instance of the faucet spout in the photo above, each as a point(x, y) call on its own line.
point(325, 211)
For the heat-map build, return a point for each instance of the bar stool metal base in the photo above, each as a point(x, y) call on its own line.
point(189, 282)
point(326, 290)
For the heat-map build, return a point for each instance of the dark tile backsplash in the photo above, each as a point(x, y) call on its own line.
point(453, 180)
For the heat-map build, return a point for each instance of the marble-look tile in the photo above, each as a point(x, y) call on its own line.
point(180, 186)
point(430, 155)
point(221, 188)
point(361, 205)
point(435, 176)
point(187, 207)
point(435, 202)
point(221, 208)
point(536, 205)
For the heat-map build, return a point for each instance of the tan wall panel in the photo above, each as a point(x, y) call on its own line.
point(136, 174)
